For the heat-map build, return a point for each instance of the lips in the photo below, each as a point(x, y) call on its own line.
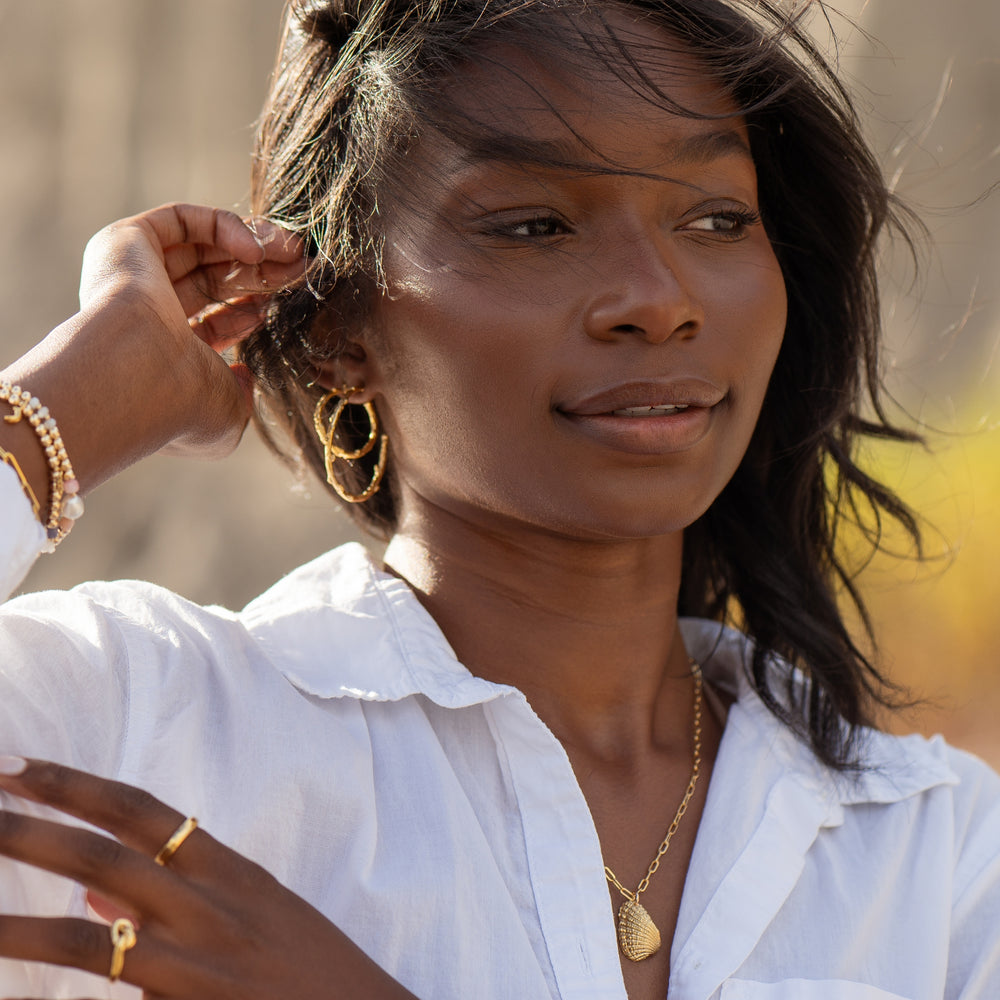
point(645, 418)
point(646, 398)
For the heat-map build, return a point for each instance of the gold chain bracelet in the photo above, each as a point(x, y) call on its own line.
point(8, 459)
point(65, 504)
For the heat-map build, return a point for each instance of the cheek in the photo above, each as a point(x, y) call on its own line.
point(461, 334)
point(452, 362)
point(754, 311)
point(440, 348)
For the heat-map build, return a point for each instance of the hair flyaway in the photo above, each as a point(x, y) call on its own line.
point(359, 85)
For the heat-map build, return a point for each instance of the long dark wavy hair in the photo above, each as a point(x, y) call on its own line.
point(359, 81)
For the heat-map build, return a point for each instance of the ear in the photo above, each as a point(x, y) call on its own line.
point(353, 366)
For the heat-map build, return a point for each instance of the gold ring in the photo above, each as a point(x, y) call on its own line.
point(169, 849)
point(123, 937)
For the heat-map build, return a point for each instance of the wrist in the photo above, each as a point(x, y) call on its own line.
point(88, 374)
point(64, 505)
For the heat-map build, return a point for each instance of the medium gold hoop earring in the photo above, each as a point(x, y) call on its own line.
point(326, 431)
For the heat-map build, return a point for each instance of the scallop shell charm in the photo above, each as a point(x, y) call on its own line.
point(638, 936)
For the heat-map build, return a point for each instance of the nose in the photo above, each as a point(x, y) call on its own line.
point(641, 293)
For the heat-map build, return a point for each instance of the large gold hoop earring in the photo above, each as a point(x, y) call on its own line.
point(326, 431)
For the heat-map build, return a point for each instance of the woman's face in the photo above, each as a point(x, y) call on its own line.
point(581, 351)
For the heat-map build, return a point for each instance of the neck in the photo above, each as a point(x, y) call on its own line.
point(586, 630)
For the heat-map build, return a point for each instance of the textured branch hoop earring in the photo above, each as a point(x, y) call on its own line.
point(326, 431)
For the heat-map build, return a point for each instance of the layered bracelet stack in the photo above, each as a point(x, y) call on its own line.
point(65, 504)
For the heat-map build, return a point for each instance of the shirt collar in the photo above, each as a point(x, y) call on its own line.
point(896, 767)
point(338, 627)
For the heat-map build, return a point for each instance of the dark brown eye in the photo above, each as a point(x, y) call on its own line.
point(541, 225)
point(728, 222)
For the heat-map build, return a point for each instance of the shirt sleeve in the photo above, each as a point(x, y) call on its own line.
point(64, 696)
point(21, 536)
point(63, 659)
point(974, 953)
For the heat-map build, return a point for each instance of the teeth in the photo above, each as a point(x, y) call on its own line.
point(649, 411)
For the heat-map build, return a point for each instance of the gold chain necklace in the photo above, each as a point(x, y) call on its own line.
point(638, 936)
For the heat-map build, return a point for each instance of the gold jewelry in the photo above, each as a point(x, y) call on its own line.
point(174, 841)
point(8, 459)
point(65, 506)
point(638, 936)
point(123, 937)
point(326, 431)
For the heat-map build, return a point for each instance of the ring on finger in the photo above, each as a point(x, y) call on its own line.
point(174, 841)
point(123, 937)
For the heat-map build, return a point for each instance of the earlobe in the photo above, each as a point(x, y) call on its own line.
point(351, 368)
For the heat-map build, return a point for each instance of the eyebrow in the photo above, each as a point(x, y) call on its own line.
point(705, 146)
point(701, 147)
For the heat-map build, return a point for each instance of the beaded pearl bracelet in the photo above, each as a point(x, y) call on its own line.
point(65, 505)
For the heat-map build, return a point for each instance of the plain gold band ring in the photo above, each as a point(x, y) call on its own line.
point(123, 937)
point(169, 849)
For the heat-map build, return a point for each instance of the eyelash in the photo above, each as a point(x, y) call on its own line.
point(508, 228)
point(740, 220)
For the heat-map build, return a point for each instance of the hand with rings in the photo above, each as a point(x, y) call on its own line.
point(194, 919)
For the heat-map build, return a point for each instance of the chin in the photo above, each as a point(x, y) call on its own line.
point(627, 518)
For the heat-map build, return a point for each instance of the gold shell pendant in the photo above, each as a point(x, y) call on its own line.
point(638, 936)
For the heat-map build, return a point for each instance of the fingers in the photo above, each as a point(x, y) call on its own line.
point(189, 258)
point(223, 282)
point(224, 325)
point(195, 248)
point(209, 924)
point(178, 907)
point(177, 224)
point(117, 872)
point(83, 944)
point(137, 819)
point(207, 275)
point(66, 941)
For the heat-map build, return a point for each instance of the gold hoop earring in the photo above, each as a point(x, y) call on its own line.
point(326, 431)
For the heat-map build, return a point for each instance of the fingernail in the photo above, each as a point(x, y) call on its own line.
point(12, 766)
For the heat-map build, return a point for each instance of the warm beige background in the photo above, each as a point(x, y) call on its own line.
point(110, 106)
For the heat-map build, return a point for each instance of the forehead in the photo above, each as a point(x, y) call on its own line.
point(593, 89)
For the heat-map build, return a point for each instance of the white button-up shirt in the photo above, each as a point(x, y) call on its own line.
point(328, 732)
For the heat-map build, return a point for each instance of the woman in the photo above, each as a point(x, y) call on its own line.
point(586, 324)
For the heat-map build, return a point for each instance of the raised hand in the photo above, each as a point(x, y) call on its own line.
point(139, 367)
point(209, 924)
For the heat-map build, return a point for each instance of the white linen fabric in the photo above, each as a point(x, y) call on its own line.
point(329, 733)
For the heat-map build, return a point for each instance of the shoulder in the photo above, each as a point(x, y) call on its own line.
point(76, 662)
point(928, 812)
point(976, 804)
point(903, 778)
point(99, 613)
point(335, 626)
point(109, 617)
point(928, 776)
point(81, 669)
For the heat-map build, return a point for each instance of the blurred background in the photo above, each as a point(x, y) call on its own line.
point(111, 106)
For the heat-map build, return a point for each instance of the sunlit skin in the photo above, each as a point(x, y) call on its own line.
point(542, 531)
point(541, 528)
